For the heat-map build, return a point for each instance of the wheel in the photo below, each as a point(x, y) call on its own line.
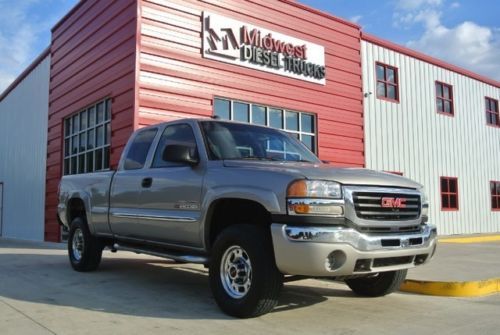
point(243, 275)
point(378, 285)
point(84, 250)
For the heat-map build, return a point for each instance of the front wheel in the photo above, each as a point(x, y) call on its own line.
point(84, 250)
point(243, 275)
point(377, 285)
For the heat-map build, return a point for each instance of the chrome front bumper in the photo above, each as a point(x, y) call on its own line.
point(341, 251)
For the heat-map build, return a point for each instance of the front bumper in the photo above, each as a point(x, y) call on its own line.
point(341, 251)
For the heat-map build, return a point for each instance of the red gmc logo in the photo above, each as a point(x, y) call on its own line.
point(394, 202)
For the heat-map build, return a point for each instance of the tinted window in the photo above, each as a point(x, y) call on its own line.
point(175, 134)
point(138, 151)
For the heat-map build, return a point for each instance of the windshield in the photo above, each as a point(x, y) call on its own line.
point(226, 140)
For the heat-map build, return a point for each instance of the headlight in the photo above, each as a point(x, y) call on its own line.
point(425, 203)
point(315, 197)
point(314, 189)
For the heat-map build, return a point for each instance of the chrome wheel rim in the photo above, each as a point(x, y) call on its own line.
point(236, 272)
point(78, 244)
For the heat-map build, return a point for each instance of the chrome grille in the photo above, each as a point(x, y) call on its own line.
point(368, 205)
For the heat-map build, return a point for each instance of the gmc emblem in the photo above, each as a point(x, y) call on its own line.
point(394, 202)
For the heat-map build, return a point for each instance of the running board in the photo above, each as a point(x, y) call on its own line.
point(170, 255)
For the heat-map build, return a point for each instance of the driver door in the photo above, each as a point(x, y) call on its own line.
point(172, 203)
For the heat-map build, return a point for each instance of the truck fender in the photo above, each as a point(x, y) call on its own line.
point(85, 197)
point(267, 198)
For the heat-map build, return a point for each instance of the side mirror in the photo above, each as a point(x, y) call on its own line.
point(178, 153)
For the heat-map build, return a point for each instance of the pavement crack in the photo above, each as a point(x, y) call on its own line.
point(27, 316)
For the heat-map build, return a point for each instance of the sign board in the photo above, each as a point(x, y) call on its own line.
point(243, 44)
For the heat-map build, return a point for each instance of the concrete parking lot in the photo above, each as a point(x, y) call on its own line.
point(134, 294)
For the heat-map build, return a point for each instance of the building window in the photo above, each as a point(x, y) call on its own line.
point(387, 82)
point(444, 99)
point(87, 137)
point(298, 124)
point(492, 114)
point(449, 194)
point(495, 195)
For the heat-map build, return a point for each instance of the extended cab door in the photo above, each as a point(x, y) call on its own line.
point(171, 206)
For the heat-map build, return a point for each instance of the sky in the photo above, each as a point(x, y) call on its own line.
point(461, 32)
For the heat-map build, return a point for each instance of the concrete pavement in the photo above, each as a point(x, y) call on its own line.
point(461, 262)
point(131, 294)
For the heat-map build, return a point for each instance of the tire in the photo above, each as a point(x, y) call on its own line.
point(381, 284)
point(84, 250)
point(247, 253)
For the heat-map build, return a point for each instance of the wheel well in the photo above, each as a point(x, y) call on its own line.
point(227, 212)
point(76, 208)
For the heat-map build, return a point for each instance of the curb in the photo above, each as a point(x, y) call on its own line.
point(452, 289)
point(470, 239)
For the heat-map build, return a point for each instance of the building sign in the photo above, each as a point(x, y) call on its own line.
point(235, 42)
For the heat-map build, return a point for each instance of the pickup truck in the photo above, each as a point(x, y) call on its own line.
point(253, 205)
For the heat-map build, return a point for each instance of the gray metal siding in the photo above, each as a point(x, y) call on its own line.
point(23, 153)
point(412, 138)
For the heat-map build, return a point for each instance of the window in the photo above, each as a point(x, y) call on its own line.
point(87, 138)
point(495, 195)
point(298, 124)
point(449, 194)
point(444, 99)
point(387, 82)
point(174, 134)
point(238, 141)
point(138, 150)
point(492, 114)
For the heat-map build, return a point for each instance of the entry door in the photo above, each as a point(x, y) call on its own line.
point(1, 208)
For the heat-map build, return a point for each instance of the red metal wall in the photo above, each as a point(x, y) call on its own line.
point(185, 83)
point(93, 57)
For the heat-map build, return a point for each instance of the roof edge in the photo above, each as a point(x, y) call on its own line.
point(25, 73)
point(428, 59)
point(68, 14)
point(324, 14)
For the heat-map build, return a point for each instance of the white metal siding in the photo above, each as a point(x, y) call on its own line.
point(412, 138)
point(23, 152)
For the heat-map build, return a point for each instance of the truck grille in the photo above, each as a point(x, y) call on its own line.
point(368, 205)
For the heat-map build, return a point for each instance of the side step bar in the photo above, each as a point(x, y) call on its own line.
point(171, 255)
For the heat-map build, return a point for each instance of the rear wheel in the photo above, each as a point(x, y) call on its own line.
point(84, 250)
point(378, 285)
point(243, 275)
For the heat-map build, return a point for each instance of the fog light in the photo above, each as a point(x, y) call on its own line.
point(335, 260)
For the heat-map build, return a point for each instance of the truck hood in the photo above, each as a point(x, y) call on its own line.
point(346, 176)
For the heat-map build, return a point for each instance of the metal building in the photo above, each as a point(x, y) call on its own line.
point(413, 135)
point(23, 152)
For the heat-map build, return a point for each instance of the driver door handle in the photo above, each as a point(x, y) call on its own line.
point(147, 182)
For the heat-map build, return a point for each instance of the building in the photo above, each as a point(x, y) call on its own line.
point(116, 66)
point(24, 110)
point(441, 128)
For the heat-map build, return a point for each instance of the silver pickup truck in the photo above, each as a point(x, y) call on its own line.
point(255, 206)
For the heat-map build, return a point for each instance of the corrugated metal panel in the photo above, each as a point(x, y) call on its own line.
point(93, 57)
point(23, 152)
point(176, 81)
point(412, 138)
